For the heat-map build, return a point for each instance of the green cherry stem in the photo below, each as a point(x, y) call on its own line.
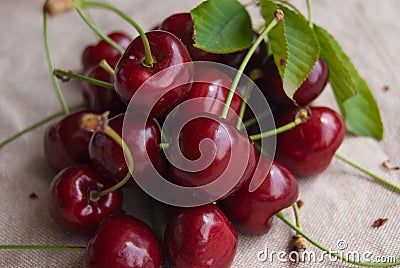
point(281, 129)
point(148, 61)
point(239, 123)
point(65, 75)
point(104, 64)
point(290, 5)
point(299, 242)
point(339, 256)
point(95, 122)
point(40, 123)
point(50, 64)
point(372, 175)
point(310, 14)
point(278, 17)
point(164, 146)
point(98, 31)
point(36, 247)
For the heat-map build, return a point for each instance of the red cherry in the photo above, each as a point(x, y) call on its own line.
point(200, 237)
point(65, 143)
point(230, 145)
point(131, 73)
point(211, 96)
point(307, 149)
point(271, 84)
point(102, 99)
point(251, 212)
point(108, 158)
point(181, 25)
point(93, 54)
point(70, 203)
point(122, 241)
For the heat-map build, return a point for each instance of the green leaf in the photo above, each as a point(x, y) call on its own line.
point(294, 46)
point(356, 102)
point(222, 26)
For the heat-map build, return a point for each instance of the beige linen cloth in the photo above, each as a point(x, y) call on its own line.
point(340, 205)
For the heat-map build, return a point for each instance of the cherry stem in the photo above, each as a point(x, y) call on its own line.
point(281, 129)
point(278, 17)
point(163, 136)
point(287, 3)
point(164, 146)
point(66, 75)
point(339, 256)
point(239, 123)
point(36, 247)
point(310, 14)
point(372, 175)
point(299, 242)
point(50, 64)
point(253, 120)
point(98, 32)
point(40, 123)
point(148, 61)
point(104, 64)
point(94, 122)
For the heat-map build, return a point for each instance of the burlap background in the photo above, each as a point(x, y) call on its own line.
point(340, 204)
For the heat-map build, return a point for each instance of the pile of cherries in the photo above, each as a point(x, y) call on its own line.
point(89, 162)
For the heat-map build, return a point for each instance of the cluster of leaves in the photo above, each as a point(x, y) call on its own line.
point(296, 46)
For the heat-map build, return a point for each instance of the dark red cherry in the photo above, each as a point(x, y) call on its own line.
point(70, 203)
point(271, 84)
point(256, 61)
point(230, 155)
point(122, 241)
point(307, 149)
point(210, 95)
point(181, 25)
point(93, 54)
point(65, 143)
point(251, 212)
point(200, 237)
point(107, 155)
point(102, 99)
point(131, 72)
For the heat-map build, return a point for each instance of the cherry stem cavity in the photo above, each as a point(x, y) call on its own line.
point(339, 256)
point(95, 122)
point(278, 17)
point(51, 67)
point(40, 123)
point(281, 129)
point(372, 175)
point(99, 33)
point(36, 247)
point(106, 66)
point(148, 61)
point(66, 75)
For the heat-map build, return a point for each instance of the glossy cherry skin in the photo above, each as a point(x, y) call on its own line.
point(131, 73)
point(108, 158)
point(181, 25)
point(65, 143)
point(69, 200)
point(251, 212)
point(122, 241)
point(200, 237)
point(102, 99)
point(271, 84)
point(211, 96)
point(93, 54)
point(256, 61)
point(228, 142)
point(307, 149)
